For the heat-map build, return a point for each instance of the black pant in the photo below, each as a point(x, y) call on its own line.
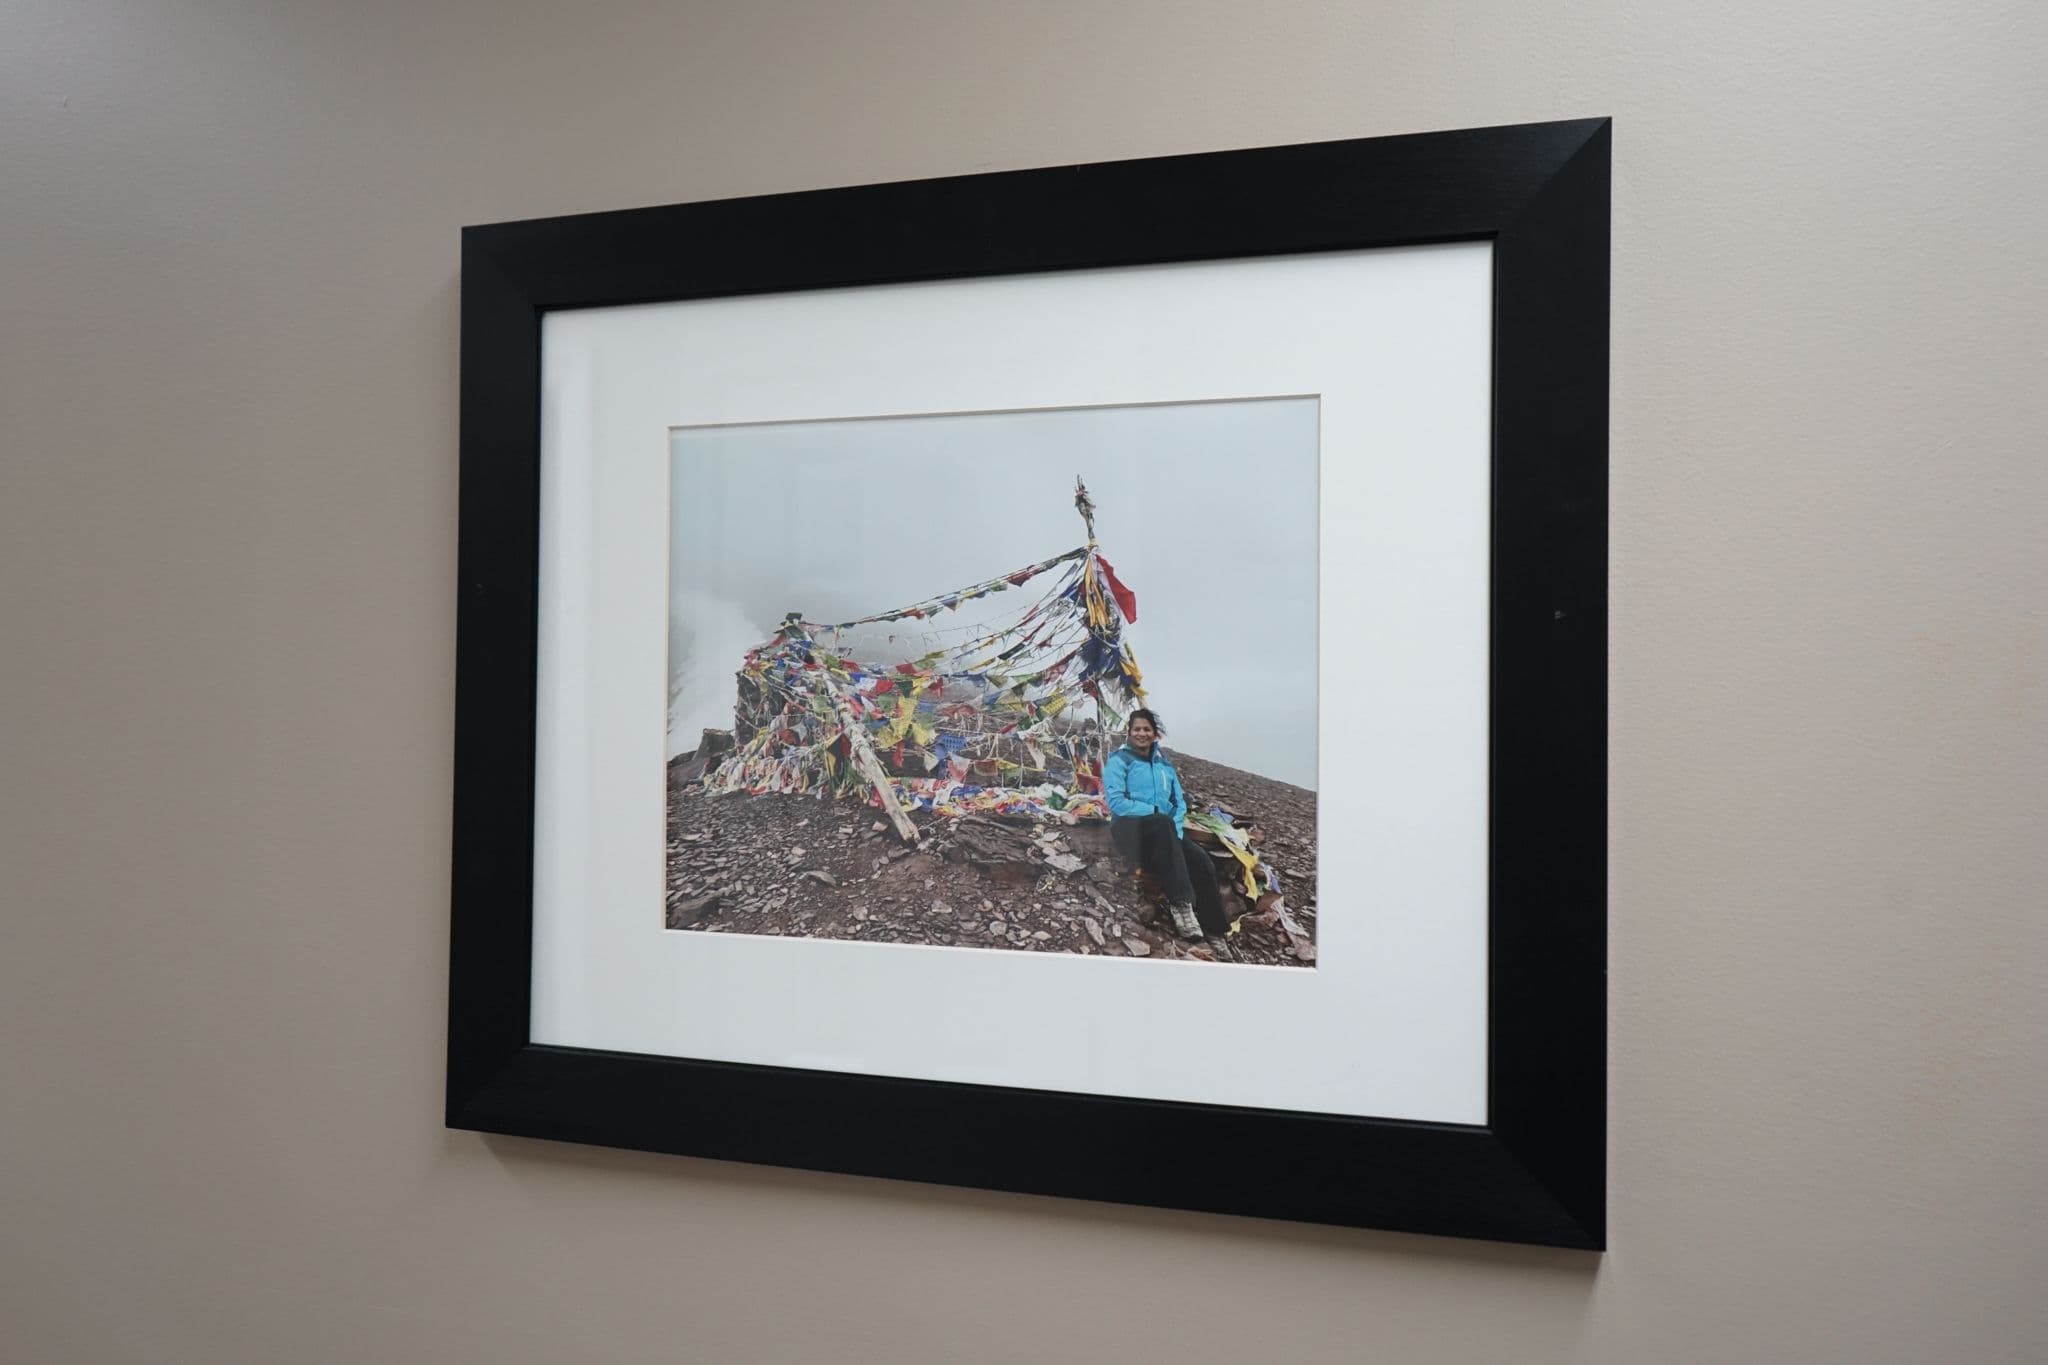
point(1184, 871)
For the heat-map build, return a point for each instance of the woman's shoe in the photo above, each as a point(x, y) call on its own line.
point(1184, 922)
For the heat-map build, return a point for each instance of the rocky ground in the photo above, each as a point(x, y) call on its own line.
point(800, 866)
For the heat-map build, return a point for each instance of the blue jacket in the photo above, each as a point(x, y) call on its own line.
point(1136, 786)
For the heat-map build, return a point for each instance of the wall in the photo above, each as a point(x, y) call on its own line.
point(227, 516)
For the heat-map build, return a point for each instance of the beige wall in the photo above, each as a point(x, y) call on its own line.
point(227, 520)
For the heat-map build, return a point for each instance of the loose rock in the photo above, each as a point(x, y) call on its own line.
point(693, 912)
point(731, 861)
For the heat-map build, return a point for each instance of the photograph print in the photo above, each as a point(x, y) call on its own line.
point(1037, 681)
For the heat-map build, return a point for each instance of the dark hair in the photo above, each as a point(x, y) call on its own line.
point(1145, 713)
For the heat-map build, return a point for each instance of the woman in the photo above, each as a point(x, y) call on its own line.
point(1148, 811)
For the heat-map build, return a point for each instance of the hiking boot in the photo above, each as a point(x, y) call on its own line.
point(1184, 922)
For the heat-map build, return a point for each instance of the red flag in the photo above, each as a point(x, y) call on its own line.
point(1125, 598)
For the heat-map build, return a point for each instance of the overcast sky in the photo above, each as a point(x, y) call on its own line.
point(1206, 510)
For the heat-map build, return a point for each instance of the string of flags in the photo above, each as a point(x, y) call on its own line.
point(998, 722)
point(933, 606)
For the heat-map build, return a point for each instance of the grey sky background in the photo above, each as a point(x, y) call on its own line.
point(1206, 510)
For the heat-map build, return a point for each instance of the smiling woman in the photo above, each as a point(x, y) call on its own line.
point(1148, 810)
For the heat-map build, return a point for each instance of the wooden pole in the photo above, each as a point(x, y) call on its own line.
point(864, 759)
point(1085, 505)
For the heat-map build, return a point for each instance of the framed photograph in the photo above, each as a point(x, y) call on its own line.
point(1085, 681)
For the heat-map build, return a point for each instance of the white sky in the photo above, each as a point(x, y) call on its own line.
point(1206, 510)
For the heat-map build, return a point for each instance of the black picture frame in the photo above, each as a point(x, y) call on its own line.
point(1535, 1172)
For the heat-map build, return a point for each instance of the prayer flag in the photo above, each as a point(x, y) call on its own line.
point(1125, 598)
